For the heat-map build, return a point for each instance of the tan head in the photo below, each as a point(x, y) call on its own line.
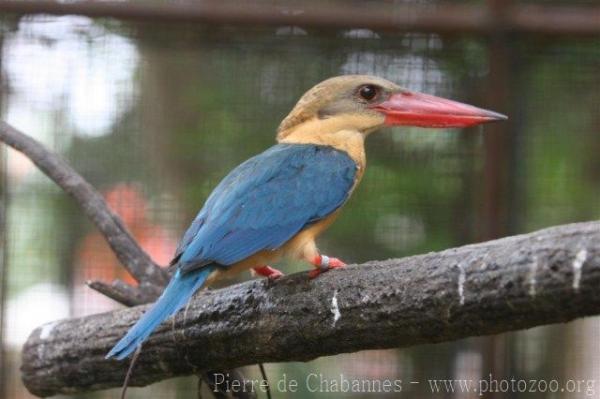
point(365, 103)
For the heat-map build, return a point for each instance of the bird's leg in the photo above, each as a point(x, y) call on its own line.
point(267, 271)
point(324, 263)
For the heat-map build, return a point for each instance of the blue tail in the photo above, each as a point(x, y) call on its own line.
point(179, 290)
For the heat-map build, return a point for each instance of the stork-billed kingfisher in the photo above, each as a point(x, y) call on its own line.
point(276, 203)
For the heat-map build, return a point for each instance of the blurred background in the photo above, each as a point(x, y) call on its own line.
point(155, 109)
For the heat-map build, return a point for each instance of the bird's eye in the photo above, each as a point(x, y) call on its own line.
point(368, 92)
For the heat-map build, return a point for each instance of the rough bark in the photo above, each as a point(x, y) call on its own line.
point(549, 276)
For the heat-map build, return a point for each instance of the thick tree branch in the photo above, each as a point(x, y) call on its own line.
point(549, 276)
point(129, 253)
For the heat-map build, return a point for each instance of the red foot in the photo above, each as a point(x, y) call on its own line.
point(323, 264)
point(269, 272)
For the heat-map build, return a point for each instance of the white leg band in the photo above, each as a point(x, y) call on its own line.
point(324, 262)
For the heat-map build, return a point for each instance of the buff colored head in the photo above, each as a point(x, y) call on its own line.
point(366, 103)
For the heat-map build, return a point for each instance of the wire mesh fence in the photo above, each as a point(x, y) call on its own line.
point(155, 114)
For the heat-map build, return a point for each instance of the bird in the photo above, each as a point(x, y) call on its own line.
point(277, 203)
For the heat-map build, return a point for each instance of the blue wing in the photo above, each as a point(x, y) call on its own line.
point(266, 201)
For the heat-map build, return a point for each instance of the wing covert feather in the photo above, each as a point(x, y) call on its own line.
point(266, 201)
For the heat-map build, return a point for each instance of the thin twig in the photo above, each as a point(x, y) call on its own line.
point(134, 359)
point(263, 373)
point(129, 253)
point(120, 291)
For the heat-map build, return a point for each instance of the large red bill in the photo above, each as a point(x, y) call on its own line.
point(416, 109)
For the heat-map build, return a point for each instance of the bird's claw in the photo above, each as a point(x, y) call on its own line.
point(324, 263)
point(268, 272)
point(275, 275)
